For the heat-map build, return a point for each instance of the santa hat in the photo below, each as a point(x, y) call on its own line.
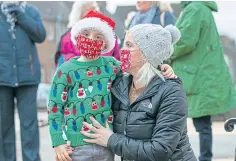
point(65, 91)
point(99, 22)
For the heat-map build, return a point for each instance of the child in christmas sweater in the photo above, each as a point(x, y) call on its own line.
point(81, 89)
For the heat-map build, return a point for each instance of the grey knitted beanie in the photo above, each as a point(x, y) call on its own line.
point(155, 42)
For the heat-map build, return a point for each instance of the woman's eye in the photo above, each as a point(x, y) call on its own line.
point(98, 37)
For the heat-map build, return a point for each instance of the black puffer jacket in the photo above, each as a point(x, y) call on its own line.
point(154, 127)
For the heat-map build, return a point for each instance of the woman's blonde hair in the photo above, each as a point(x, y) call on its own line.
point(164, 6)
point(76, 11)
point(146, 73)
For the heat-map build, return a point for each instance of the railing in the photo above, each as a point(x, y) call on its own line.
point(229, 127)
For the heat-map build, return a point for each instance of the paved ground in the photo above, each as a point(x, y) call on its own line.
point(223, 148)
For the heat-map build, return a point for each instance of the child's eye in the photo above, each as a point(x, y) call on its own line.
point(85, 33)
point(98, 37)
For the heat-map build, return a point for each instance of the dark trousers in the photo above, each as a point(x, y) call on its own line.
point(203, 127)
point(27, 108)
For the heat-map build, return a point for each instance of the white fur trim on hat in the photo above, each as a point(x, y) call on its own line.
point(98, 25)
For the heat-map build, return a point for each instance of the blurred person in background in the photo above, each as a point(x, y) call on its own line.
point(66, 49)
point(154, 12)
point(119, 29)
point(20, 28)
point(198, 59)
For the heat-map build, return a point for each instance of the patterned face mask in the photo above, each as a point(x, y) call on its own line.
point(89, 48)
point(125, 60)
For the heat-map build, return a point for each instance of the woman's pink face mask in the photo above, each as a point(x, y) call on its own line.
point(125, 60)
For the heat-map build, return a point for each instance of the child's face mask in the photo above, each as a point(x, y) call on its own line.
point(89, 48)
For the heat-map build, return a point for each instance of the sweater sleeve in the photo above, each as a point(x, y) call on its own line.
point(32, 23)
point(57, 101)
point(170, 124)
point(189, 25)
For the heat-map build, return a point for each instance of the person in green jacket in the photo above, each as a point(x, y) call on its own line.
point(198, 59)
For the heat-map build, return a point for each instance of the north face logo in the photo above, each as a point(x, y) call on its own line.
point(147, 104)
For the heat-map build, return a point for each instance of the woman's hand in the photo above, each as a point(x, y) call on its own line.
point(62, 154)
point(69, 149)
point(167, 71)
point(101, 134)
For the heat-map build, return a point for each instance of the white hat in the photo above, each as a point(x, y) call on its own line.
point(155, 42)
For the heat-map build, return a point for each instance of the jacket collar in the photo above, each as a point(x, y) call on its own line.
point(157, 15)
point(120, 88)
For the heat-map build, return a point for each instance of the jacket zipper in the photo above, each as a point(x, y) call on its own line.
point(31, 64)
point(126, 119)
point(130, 105)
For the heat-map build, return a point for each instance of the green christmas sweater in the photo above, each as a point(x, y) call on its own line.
point(80, 90)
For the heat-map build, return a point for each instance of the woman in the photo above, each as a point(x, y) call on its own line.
point(155, 12)
point(150, 12)
point(66, 49)
point(21, 29)
point(150, 113)
point(199, 60)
